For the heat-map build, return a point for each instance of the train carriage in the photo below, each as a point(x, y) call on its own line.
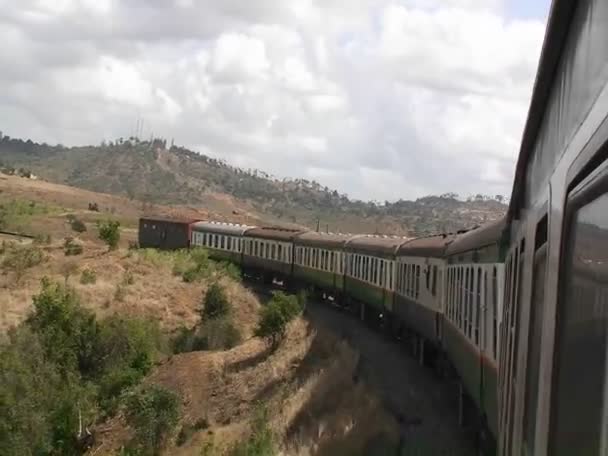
point(320, 260)
point(370, 272)
point(224, 241)
point(268, 251)
point(164, 233)
point(419, 291)
point(473, 312)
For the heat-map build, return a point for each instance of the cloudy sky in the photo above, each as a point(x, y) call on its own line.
point(381, 99)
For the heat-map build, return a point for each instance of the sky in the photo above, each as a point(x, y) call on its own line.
point(380, 99)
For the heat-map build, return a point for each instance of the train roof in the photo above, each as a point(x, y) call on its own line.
point(375, 244)
point(168, 219)
point(431, 246)
point(221, 227)
point(476, 238)
point(273, 232)
point(328, 240)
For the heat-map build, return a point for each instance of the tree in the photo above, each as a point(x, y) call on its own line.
point(109, 232)
point(276, 315)
point(67, 330)
point(215, 303)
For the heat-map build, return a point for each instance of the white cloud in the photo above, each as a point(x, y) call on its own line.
point(378, 98)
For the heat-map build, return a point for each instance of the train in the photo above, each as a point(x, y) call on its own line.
point(517, 308)
point(441, 295)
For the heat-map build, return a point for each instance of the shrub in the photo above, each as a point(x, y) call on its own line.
point(109, 232)
point(67, 330)
point(275, 316)
point(218, 334)
point(88, 277)
point(153, 413)
point(231, 270)
point(78, 225)
point(21, 258)
point(72, 248)
point(215, 303)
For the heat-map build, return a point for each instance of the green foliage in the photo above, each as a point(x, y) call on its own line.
point(78, 225)
point(276, 315)
point(261, 442)
point(20, 258)
point(62, 364)
point(230, 270)
point(88, 277)
point(109, 232)
point(66, 329)
point(215, 303)
point(71, 247)
point(153, 413)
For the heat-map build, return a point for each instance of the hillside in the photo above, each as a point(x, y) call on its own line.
point(151, 172)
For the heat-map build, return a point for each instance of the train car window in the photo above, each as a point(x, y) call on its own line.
point(580, 398)
point(494, 311)
point(428, 277)
point(478, 307)
point(534, 336)
point(417, 280)
point(390, 275)
point(381, 273)
point(467, 296)
point(485, 328)
point(434, 285)
point(280, 252)
point(229, 243)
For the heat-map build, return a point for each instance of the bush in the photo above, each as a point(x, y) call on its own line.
point(215, 303)
point(109, 232)
point(153, 413)
point(275, 316)
point(218, 334)
point(72, 248)
point(21, 258)
point(78, 225)
point(67, 330)
point(88, 277)
point(231, 270)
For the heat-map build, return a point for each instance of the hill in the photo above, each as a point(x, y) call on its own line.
point(151, 172)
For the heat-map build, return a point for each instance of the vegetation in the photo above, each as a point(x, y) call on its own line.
point(88, 277)
point(70, 369)
point(215, 303)
point(20, 258)
point(78, 225)
point(153, 412)
point(109, 232)
point(71, 247)
point(261, 442)
point(276, 315)
point(16, 215)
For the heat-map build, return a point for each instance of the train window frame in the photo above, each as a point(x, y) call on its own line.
point(585, 191)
